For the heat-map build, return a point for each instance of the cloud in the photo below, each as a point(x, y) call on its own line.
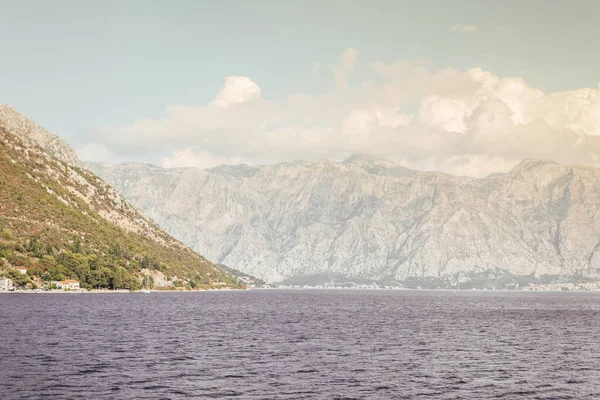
point(198, 158)
point(463, 28)
point(95, 152)
point(466, 122)
point(237, 89)
point(341, 72)
point(357, 125)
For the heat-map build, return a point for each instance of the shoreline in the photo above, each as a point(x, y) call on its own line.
point(124, 291)
point(117, 291)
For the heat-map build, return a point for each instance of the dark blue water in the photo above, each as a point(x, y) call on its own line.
point(300, 344)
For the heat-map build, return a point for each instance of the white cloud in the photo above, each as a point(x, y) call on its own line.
point(444, 113)
point(463, 28)
point(198, 158)
point(471, 122)
point(95, 152)
point(341, 72)
point(358, 125)
point(237, 89)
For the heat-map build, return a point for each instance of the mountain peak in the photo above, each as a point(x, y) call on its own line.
point(530, 163)
point(364, 158)
point(378, 166)
point(19, 125)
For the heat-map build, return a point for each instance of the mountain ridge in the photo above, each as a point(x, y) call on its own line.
point(348, 160)
point(298, 219)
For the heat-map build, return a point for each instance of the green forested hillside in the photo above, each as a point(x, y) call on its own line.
point(59, 222)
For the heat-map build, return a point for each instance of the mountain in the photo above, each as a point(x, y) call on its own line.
point(61, 221)
point(34, 135)
point(369, 219)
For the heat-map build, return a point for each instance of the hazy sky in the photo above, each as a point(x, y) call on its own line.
point(462, 86)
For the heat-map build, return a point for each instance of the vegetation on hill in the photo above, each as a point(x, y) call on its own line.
point(243, 278)
point(53, 221)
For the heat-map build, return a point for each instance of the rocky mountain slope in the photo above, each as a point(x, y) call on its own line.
point(33, 134)
point(371, 219)
point(62, 221)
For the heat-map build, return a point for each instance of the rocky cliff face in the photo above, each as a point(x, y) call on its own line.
point(27, 130)
point(368, 218)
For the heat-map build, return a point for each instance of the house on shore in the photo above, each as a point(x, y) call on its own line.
point(69, 284)
point(6, 285)
point(22, 270)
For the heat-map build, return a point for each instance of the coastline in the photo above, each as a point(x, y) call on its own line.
point(117, 291)
point(124, 291)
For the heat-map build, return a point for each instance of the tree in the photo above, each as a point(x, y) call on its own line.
point(48, 249)
point(115, 250)
point(117, 281)
point(54, 273)
point(77, 264)
point(145, 262)
point(19, 279)
point(6, 234)
point(77, 245)
point(148, 282)
point(107, 274)
point(34, 247)
point(131, 281)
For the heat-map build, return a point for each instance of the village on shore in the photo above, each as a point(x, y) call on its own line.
point(18, 281)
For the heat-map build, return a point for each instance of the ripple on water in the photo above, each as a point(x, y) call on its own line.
point(301, 344)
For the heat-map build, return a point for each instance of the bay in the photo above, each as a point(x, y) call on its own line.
point(290, 344)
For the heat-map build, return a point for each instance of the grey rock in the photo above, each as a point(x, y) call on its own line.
point(369, 218)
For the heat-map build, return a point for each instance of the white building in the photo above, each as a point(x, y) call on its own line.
point(22, 270)
point(69, 284)
point(6, 285)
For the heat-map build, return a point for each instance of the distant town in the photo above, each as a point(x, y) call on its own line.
point(553, 287)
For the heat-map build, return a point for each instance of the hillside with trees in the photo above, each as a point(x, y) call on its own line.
point(62, 222)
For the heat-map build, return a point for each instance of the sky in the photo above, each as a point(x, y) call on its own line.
point(465, 87)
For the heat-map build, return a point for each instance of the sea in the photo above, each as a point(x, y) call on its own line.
point(301, 344)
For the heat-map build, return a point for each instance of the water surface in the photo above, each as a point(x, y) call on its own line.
point(301, 344)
